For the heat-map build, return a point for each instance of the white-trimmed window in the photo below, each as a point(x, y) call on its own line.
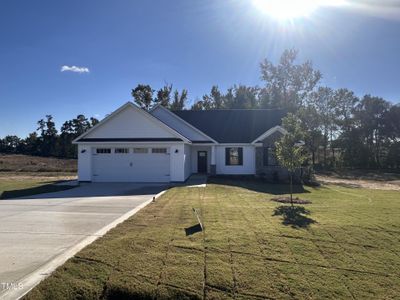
point(234, 156)
point(121, 150)
point(140, 150)
point(159, 150)
point(103, 150)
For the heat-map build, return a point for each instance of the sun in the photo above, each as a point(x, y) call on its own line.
point(292, 9)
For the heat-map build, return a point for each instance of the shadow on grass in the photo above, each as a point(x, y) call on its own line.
point(46, 188)
point(295, 217)
point(257, 185)
point(193, 229)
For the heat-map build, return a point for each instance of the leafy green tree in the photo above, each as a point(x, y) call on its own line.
point(179, 100)
point(289, 152)
point(143, 95)
point(241, 96)
point(236, 97)
point(10, 144)
point(70, 130)
point(94, 121)
point(311, 121)
point(287, 84)
point(322, 100)
point(31, 144)
point(369, 117)
point(164, 95)
point(48, 136)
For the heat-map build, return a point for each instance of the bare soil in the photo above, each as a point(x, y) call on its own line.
point(296, 200)
point(362, 179)
point(27, 163)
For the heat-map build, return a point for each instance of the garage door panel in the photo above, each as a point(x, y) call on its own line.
point(131, 167)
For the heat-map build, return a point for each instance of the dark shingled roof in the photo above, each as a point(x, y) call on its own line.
point(233, 125)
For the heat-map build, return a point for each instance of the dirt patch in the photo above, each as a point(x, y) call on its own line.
point(37, 176)
point(296, 200)
point(27, 163)
point(389, 185)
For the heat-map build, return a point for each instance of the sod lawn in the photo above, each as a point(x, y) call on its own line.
point(345, 245)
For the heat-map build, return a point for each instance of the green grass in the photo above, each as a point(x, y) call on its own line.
point(345, 245)
point(12, 188)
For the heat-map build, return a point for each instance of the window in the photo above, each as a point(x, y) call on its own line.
point(159, 150)
point(121, 150)
point(103, 150)
point(234, 156)
point(140, 150)
point(269, 157)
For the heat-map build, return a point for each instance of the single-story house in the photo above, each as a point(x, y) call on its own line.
point(135, 145)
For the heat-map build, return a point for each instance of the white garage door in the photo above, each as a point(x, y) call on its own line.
point(131, 165)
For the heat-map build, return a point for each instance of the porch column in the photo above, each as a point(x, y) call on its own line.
point(213, 166)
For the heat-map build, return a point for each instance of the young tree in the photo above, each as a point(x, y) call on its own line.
point(289, 152)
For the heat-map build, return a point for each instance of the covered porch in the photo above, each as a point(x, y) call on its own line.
point(203, 159)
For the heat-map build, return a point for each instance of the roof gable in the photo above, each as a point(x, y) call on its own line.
point(233, 125)
point(180, 125)
point(130, 122)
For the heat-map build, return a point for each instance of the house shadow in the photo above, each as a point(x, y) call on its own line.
point(51, 191)
point(296, 216)
point(47, 187)
point(257, 185)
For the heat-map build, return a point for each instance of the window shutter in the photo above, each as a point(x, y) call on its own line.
point(240, 150)
point(227, 156)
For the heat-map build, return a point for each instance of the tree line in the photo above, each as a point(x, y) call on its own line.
point(46, 140)
point(343, 130)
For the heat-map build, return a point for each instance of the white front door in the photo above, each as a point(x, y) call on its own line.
point(144, 164)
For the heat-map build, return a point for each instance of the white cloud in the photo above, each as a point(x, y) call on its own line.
point(74, 69)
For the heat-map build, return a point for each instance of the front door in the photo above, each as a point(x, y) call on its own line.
point(202, 161)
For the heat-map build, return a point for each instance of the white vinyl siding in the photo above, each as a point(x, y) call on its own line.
point(131, 123)
point(248, 164)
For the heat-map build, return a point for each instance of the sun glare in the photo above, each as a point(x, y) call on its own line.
point(291, 9)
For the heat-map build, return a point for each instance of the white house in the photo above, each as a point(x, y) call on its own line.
point(133, 145)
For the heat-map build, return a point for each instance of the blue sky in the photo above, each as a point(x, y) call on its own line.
point(191, 44)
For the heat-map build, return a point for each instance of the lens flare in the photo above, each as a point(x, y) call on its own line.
point(291, 9)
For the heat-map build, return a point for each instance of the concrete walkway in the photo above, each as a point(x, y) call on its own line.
point(40, 232)
point(196, 180)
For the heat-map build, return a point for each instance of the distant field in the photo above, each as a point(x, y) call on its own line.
point(26, 163)
point(23, 175)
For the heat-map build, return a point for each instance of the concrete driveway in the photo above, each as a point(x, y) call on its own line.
point(38, 233)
